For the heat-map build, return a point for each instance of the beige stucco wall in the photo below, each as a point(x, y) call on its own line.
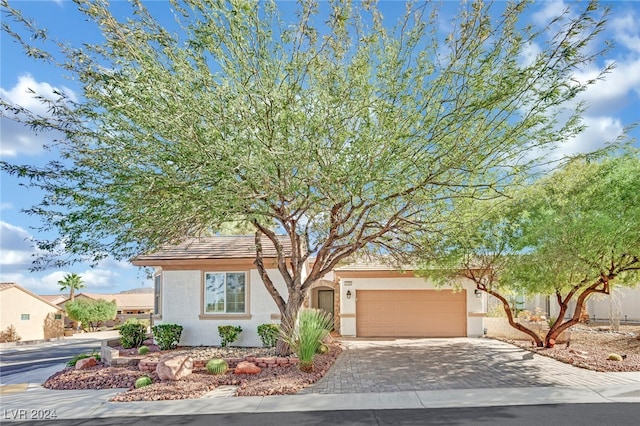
point(41, 323)
point(475, 306)
point(182, 300)
point(626, 298)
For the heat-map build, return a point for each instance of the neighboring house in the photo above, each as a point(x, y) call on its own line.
point(212, 281)
point(130, 305)
point(33, 317)
point(623, 303)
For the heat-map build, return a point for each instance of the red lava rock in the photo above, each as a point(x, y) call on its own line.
point(279, 380)
point(246, 367)
point(86, 363)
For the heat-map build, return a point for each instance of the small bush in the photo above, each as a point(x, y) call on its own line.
point(142, 382)
point(72, 362)
point(268, 334)
point(167, 335)
point(228, 334)
point(217, 366)
point(132, 334)
point(9, 335)
point(143, 350)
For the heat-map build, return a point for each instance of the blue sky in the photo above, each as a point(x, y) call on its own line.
point(614, 103)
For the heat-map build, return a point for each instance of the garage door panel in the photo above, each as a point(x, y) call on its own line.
point(411, 313)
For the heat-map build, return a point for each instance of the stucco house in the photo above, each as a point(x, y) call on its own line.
point(211, 281)
point(33, 317)
point(622, 304)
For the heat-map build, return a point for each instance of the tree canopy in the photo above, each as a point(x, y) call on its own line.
point(91, 313)
point(337, 128)
point(570, 235)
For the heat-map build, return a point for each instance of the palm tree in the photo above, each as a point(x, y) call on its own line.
point(72, 282)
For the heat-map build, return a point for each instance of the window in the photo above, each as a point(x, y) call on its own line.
point(58, 316)
point(157, 294)
point(25, 317)
point(224, 292)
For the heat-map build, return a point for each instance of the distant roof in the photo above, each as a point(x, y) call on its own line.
point(138, 290)
point(371, 263)
point(54, 298)
point(218, 247)
point(6, 286)
point(123, 300)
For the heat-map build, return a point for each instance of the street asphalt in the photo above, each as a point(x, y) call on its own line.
point(461, 380)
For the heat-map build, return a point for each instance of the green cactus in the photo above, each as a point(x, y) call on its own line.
point(323, 349)
point(142, 382)
point(614, 357)
point(217, 366)
point(143, 350)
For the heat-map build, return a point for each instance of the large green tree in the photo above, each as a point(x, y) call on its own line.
point(570, 235)
point(341, 130)
point(91, 313)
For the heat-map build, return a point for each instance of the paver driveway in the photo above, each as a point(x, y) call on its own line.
point(437, 364)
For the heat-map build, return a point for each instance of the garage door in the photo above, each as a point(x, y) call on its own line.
point(411, 313)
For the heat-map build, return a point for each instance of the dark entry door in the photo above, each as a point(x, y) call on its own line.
point(325, 300)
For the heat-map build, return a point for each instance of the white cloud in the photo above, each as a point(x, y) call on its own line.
point(599, 130)
point(551, 9)
point(612, 93)
point(19, 139)
point(17, 247)
point(627, 31)
point(6, 206)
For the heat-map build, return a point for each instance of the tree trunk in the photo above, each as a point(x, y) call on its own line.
point(507, 309)
point(288, 320)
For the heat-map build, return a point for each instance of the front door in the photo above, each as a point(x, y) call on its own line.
point(325, 300)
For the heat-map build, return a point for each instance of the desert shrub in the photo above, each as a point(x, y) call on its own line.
point(9, 335)
point(143, 350)
point(132, 334)
point(91, 312)
point(142, 382)
point(217, 366)
point(312, 326)
point(72, 362)
point(167, 335)
point(269, 334)
point(228, 334)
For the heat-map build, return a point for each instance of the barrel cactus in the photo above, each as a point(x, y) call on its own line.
point(142, 382)
point(217, 366)
point(614, 357)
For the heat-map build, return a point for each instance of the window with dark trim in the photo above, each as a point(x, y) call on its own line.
point(157, 294)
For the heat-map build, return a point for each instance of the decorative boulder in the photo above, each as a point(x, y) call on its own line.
point(246, 367)
point(85, 363)
point(174, 367)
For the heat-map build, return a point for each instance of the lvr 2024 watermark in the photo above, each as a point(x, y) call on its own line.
point(27, 414)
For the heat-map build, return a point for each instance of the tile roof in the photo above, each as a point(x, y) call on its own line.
point(374, 263)
point(218, 247)
point(123, 300)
